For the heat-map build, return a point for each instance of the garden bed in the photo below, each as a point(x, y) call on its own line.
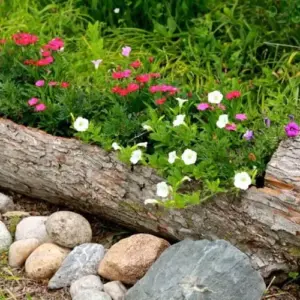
point(262, 222)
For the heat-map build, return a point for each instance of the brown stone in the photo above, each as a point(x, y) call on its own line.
point(45, 261)
point(20, 250)
point(129, 259)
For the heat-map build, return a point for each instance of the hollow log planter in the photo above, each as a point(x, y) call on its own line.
point(264, 223)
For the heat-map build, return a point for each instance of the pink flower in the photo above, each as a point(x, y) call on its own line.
point(33, 101)
point(121, 75)
point(136, 64)
point(40, 107)
point(2, 41)
point(203, 106)
point(24, 39)
point(52, 83)
point(233, 95)
point(65, 85)
point(143, 78)
point(46, 53)
point(40, 83)
point(126, 51)
point(231, 127)
point(163, 88)
point(55, 44)
point(292, 129)
point(241, 117)
point(45, 61)
point(154, 75)
point(221, 106)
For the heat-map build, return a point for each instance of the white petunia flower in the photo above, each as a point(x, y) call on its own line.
point(61, 49)
point(150, 201)
point(116, 146)
point(186, 178)
point(162, 190)
point(181, 101)
point(179, 120)
point(142, 144)
point(223, 121)
point(189, 157)
point(242, 180)
point(147, 127)
point(215, 97)
point(172, 157)
point(81, 124)
point(97, 63)
point(116, 10)
point(136, 156)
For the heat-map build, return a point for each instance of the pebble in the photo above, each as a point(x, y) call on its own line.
point(68, 229)
point(20, 250)
point(91, 295)
point(129, 259)
point(32, 228)
point(82, 261)
point(6, 203)
point(86, 283)
point(45, 260)
point(5, 237)
point(115, 289)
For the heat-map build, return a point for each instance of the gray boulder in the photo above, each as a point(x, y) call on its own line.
point(200, 270)
point(6, 203)
point(82, 261)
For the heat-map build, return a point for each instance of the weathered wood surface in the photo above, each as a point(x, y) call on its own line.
point(264, 223)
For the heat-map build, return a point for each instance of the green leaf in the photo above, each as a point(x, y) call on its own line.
point(171, 25)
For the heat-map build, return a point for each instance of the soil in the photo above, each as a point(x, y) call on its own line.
point(15, 286)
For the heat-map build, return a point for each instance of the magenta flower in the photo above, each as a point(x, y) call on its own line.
point(40, 83)
point(230, 127)
point(292, 129)
point(249, 135)
point(126, 51)
point(241, 117)
point(203, 106)
point(40, 107)
point(33, 101)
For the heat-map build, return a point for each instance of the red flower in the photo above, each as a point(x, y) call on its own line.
point(24, 39)
point(46, 53)
point(123, 92)
point(115, 89)
point(65, 85)
point(151, 59)
point(30, 62)
point(45, 61)
point(136, 64)
point(121, 75)
point(143, 78)
point(2, 41)
point(154, 75)
point(161, 101)
point(132, 87)
point(233, 95)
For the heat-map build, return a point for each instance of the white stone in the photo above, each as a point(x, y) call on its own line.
point(5, 237)
point(32, 228)
point(91, 295)
point(86, 283)
point(115, 289)
point(6, 203)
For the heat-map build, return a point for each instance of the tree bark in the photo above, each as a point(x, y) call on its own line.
point(264, 223)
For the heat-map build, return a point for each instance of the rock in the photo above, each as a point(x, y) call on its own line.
point(45, 260)
point(20, 250)
point(5, 237)
point(82, 261)
point(68, 229)
point(129, 259)
point(202, 269)
point(16, 213)
point(32, 228)
point(91, 295)
point(6, 203)
point(115, 289)
point(90, 282)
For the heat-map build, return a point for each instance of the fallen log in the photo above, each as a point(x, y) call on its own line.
point(264, 223)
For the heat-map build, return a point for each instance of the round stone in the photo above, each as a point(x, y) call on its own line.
point(68, 229)
point(5, 237)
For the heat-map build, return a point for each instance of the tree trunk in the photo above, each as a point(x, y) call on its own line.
point(264, 223)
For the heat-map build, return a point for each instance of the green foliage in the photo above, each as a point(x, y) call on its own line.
point(198, 46)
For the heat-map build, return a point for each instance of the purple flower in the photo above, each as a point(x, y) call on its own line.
point(267, 122)
point(292, 129)
point(248, 135)
point(203, 106)
point(241, 117)
point(40, 83)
